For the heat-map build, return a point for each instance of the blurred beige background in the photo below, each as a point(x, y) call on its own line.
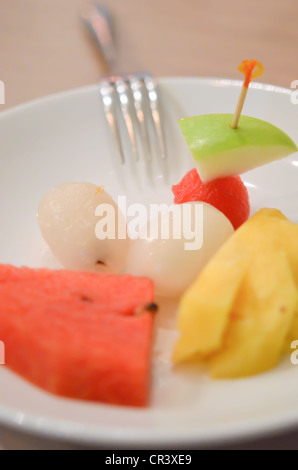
point(44, 48)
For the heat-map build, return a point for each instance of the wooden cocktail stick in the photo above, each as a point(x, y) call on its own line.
point(246, 67)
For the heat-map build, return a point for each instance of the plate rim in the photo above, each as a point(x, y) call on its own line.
point(91, 87)
point(78, 433)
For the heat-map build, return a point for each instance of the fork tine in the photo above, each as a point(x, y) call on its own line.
point(154, 106)
point(123, 91)
point(132, 110)
point(107, 91)
point(136, 85)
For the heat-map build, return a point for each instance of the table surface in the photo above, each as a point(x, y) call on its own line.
point(44, 50)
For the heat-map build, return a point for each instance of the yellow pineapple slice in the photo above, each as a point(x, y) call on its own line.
point(260, 318)
point(205, 308)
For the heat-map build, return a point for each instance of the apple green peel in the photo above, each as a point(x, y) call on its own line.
point(219, 150)
point(226, 145)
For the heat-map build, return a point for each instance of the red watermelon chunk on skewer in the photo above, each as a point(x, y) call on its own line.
point(76, 334)
point(229, 195)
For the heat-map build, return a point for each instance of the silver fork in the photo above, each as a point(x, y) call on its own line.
point(130, 101)
point(134, 100)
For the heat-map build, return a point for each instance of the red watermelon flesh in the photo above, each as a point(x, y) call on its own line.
point(75, 334)
point(229, 195)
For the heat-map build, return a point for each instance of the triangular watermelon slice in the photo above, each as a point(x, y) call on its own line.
point(76, 334)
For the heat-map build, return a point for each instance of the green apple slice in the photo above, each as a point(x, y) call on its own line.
point(219, 151)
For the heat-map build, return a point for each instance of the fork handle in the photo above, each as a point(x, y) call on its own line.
point(97, 20)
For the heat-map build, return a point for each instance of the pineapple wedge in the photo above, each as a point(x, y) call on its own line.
point(292, 334)
point(266, 245)
point(205, 307)
point(260, 319)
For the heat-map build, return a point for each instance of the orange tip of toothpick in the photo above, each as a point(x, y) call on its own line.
point(247, 68)
point(251, 69)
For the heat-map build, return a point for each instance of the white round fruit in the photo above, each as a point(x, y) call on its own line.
point(68, 222)
point(173, 260)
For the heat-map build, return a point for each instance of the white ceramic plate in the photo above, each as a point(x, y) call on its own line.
point(65, 138)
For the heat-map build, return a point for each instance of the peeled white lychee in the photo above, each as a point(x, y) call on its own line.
point(196, 231)
point(68, 222)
